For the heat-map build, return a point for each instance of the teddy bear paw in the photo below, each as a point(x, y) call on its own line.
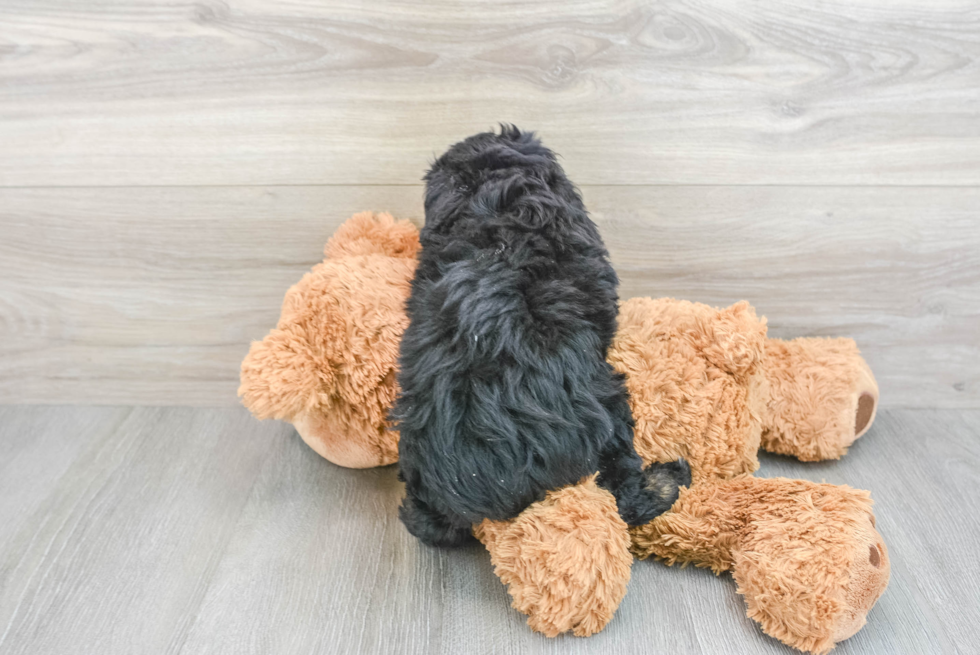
point(822, 396)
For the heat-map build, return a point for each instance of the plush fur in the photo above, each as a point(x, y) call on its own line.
point(566, 559)
point(328, 367)
point(812, 413)
point(809, 581)
point(505, 389)
point(705, 384)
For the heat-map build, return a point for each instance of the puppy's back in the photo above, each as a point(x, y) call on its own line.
point(504, 382)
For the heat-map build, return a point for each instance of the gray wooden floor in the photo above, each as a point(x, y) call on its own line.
point(196, 530)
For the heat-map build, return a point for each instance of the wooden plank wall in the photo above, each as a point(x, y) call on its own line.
point(168, 169)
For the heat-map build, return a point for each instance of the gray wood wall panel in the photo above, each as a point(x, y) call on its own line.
point(631, 92)
point(151, 295)
point(161, 163)
point(180, 530)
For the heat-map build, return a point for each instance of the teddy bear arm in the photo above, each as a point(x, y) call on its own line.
point(806, 556)
point(702, 528)
point(822, 397)
point(565, 560)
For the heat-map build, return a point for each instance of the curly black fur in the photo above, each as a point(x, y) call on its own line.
point(506, 393)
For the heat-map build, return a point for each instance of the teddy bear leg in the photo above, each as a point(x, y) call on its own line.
point(806, 556)
point(822, 397)
point(565, 559)
point(813, 566)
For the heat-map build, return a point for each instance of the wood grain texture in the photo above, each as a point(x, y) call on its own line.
point(630, 92)
point(821, 160)
point(108, 543)
point(202, 531)
point(151, 295)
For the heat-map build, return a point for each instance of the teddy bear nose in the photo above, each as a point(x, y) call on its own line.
point(874, 556)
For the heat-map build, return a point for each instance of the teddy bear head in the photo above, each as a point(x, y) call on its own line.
point(329, 365)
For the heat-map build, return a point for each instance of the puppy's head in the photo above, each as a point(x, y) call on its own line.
point(490, 173)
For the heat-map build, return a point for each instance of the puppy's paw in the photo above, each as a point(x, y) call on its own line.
point(652, 491)
point(664, 480)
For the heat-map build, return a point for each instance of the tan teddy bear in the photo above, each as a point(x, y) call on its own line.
point(705, 384)
point(329, 365)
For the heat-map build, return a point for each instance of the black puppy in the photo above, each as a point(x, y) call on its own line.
point(505, 389)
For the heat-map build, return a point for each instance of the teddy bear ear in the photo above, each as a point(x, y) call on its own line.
point(735, 338)
point(368, 233)
point(279, 377)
